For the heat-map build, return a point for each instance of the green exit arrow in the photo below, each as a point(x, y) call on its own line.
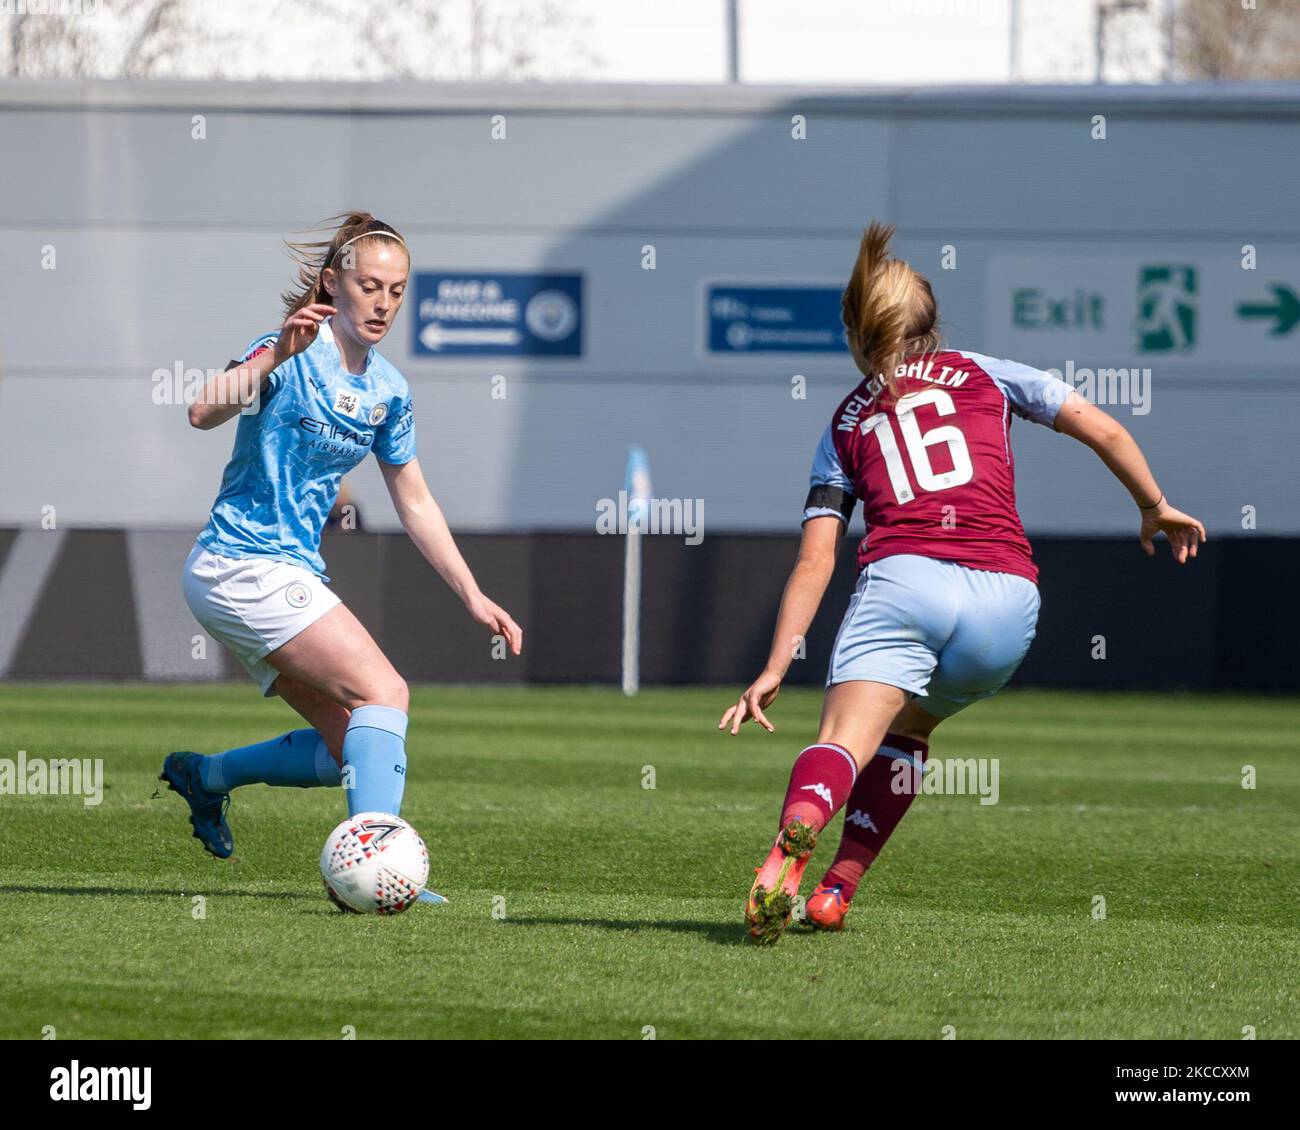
point(1286, 309)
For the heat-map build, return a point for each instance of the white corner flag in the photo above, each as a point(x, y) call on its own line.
point(636, 493)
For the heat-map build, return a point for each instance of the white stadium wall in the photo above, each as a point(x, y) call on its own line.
point(166, 256)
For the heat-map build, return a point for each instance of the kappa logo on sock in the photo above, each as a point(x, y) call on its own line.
point(862, 820)
point(821, 790)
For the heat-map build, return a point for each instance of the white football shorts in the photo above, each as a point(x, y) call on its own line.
point(253, 605)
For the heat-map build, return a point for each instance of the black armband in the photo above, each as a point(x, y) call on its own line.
point(827, 497)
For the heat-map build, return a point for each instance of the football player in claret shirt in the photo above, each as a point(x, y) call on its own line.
point(314, 399)
point(946, 602)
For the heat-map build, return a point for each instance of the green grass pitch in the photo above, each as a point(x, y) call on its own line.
point(618, 908)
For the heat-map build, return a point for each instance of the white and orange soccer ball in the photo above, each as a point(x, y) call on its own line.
point(374, 863)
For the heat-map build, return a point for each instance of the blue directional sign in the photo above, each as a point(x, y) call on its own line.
point(487, 315)
point(774, 319)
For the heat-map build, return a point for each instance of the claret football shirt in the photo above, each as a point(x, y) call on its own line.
point(932, 464)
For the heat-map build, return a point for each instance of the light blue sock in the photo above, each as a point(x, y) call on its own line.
point(298, 758)
point(374, 759)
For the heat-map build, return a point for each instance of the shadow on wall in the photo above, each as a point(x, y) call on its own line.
point(724, 195)
point(744, 200)
point(100, 609)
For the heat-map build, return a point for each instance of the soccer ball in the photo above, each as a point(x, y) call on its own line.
point(374, 863)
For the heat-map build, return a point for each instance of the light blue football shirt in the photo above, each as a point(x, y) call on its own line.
point(314, 423)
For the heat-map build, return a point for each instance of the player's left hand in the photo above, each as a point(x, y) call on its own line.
point(1184, 532)
point(493, 616)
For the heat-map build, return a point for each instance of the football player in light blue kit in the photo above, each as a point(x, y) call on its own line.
point(313, 400)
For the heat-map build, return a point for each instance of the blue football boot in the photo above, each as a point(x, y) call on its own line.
point(207, 809)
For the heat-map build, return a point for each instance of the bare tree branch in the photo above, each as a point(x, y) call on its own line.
point(1224, 41)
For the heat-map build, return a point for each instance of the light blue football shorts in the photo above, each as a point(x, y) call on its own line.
point(945, 633)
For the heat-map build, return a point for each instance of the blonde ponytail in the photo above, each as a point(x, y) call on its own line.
point(889, 310)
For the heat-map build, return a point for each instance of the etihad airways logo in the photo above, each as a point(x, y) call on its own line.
point(335, 433)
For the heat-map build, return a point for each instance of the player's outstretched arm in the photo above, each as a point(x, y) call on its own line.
point(228, 393)
point(1119, 451)
point(423, 521)
point(799, 603)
